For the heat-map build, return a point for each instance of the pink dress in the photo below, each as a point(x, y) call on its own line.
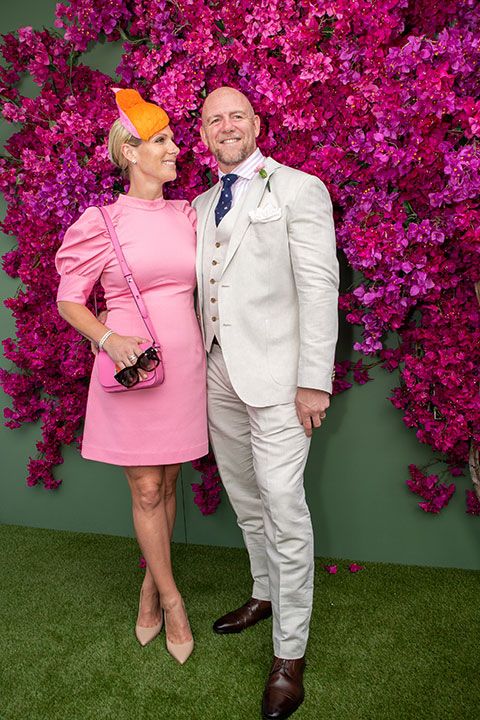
point(165, 424)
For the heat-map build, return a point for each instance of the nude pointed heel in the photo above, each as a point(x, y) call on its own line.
point(179, 651)
point(145, 635)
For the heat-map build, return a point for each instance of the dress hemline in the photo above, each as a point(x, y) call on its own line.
point(144, 459)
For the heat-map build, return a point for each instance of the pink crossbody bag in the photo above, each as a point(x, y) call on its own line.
point(106, 368)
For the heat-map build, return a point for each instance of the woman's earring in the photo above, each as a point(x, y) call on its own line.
point(134, 162)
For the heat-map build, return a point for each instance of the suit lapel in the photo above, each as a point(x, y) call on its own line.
point(251, 200)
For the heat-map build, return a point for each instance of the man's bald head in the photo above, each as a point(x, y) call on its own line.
point(229, 127)
point(223, 95)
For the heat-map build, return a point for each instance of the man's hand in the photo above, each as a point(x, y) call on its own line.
point(311, 408)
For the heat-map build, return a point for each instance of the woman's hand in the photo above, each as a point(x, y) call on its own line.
point(124, 350)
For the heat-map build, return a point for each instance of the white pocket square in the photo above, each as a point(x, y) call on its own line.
point(266, 213)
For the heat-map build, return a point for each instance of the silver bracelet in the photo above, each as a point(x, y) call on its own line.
point(104, 338)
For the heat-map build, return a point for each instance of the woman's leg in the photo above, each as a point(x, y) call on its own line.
point(152, 491)
point(171, 476)
point(149, 610)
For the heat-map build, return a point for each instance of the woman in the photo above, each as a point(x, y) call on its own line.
point(147, 431)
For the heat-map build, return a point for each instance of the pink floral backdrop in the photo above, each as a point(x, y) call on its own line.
point(378, 98)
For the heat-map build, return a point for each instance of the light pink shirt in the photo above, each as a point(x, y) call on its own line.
point(246, 171)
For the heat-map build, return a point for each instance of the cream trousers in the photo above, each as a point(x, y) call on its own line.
point(261, 455)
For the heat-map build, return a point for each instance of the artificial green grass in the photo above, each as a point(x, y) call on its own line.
point(388, 643)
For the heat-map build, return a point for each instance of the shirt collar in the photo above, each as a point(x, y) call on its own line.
point(248, 168)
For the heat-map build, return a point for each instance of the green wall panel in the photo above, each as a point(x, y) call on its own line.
point(355, 483)
point(356, 473)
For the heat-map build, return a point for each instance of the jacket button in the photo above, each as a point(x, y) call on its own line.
point(212, 281)
point(217, 244)
point(213, 300)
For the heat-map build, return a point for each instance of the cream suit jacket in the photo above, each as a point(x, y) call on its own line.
point(278, 292)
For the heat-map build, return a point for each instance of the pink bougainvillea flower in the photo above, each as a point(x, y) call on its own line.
point(331, 569)
point(142, 563)
point(207, 493)
point(382, 107)
point(437, 495)
point(473, 503)
point(354, 568)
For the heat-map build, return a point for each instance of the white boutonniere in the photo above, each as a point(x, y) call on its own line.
point(265, 213)
point(260, 169)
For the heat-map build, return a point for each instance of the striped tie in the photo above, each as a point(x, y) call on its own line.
point(225, 201)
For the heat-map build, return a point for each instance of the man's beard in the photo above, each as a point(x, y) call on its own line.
point(234, 160)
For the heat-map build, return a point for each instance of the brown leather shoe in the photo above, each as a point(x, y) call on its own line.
point(244, 617)
point(283, 692)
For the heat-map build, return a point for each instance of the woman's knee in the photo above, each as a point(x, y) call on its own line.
point(170, 478)
point(148, 489)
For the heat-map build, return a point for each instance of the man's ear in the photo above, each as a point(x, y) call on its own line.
point(203, 136)
point(256, 123)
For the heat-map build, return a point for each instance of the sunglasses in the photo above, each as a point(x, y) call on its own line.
point(147, 361)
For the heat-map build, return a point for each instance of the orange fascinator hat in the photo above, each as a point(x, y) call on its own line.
point(142, 119)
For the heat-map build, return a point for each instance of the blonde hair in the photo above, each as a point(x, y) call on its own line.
point(117, 137)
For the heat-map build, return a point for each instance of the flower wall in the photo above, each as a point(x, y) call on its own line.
point(378, 98)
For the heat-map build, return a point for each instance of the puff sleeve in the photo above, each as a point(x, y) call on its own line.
point(82, 257)
point(184, 207)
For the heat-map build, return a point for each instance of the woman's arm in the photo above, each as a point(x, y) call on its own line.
point(121, 348)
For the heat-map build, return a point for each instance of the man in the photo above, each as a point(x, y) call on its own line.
point(268, 286)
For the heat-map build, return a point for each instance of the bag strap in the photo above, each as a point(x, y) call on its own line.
point(127, 273)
